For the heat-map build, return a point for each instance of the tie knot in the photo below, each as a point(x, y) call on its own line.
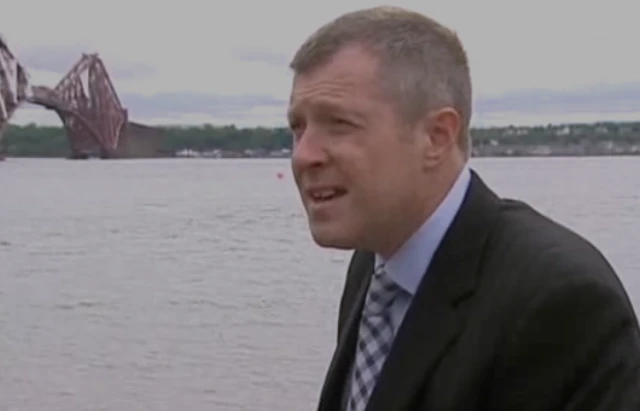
point(382, 292)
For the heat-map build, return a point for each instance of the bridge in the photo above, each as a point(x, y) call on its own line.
point(14, 84)
point(86, 101)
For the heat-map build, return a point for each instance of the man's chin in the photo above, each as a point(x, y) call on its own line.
point(332, 238)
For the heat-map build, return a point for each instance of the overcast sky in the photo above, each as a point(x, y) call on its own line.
point(196, 61)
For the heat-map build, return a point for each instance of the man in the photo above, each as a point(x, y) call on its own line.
point(454, 299)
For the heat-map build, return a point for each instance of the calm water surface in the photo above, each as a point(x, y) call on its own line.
point(161, 284)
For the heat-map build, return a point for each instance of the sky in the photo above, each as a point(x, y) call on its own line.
point(195, 61)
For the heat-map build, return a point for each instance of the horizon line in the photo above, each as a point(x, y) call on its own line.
point(272, 127)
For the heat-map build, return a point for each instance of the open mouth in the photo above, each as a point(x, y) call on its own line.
point(326, 194)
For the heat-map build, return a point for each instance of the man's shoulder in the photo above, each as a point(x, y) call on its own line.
point(549, 301)
point(516, 240)
point(527, 240)
point(538, 267)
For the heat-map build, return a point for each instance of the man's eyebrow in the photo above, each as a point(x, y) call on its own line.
point(325, 107)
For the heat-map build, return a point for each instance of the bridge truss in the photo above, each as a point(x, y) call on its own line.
point(14, 84)
point(84, 99)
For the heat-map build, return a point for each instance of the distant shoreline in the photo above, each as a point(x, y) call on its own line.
point(240, 157)
point(569, 140)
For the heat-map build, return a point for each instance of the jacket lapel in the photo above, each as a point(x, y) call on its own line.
point(332, 391)
point(434, 318)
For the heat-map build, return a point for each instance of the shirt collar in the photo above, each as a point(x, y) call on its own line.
point(409, 264)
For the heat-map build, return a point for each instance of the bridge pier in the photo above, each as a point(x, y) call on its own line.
point(86, 154)
point(108, 154)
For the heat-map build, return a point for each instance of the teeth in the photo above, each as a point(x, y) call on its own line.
point(324, 194)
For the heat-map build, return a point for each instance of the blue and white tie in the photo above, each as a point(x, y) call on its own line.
point(375, 338)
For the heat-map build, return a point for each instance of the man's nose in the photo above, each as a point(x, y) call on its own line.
point(308, 150)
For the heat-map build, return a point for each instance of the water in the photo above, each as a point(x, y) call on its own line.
point(168, 284)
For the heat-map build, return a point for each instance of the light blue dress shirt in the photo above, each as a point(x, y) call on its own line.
point(409, 264)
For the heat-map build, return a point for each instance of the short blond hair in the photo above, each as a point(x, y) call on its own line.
point(424, 65)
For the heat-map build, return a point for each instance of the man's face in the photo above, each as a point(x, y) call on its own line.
point(356, 165)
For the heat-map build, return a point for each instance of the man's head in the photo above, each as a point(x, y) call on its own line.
point(380, 112)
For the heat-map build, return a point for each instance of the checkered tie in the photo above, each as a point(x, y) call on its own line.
point(374, 339)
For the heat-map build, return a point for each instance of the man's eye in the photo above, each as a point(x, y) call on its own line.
point(340, 122)
point(339, 126)
point(296, 127)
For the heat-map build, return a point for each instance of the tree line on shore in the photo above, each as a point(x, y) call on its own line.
point(50, 141)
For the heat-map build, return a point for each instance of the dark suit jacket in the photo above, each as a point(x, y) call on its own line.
point(515, 313)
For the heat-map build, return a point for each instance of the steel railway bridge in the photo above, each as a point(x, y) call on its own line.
point(84, 99)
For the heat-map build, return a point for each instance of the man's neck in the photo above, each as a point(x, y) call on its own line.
point(441, 186)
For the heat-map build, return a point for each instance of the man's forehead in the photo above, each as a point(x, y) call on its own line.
point(347, 60)
point(330, 100)
point(350, 76)
point(338, 85)
point(336, 88)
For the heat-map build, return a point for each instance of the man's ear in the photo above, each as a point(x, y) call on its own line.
point(441, 131)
